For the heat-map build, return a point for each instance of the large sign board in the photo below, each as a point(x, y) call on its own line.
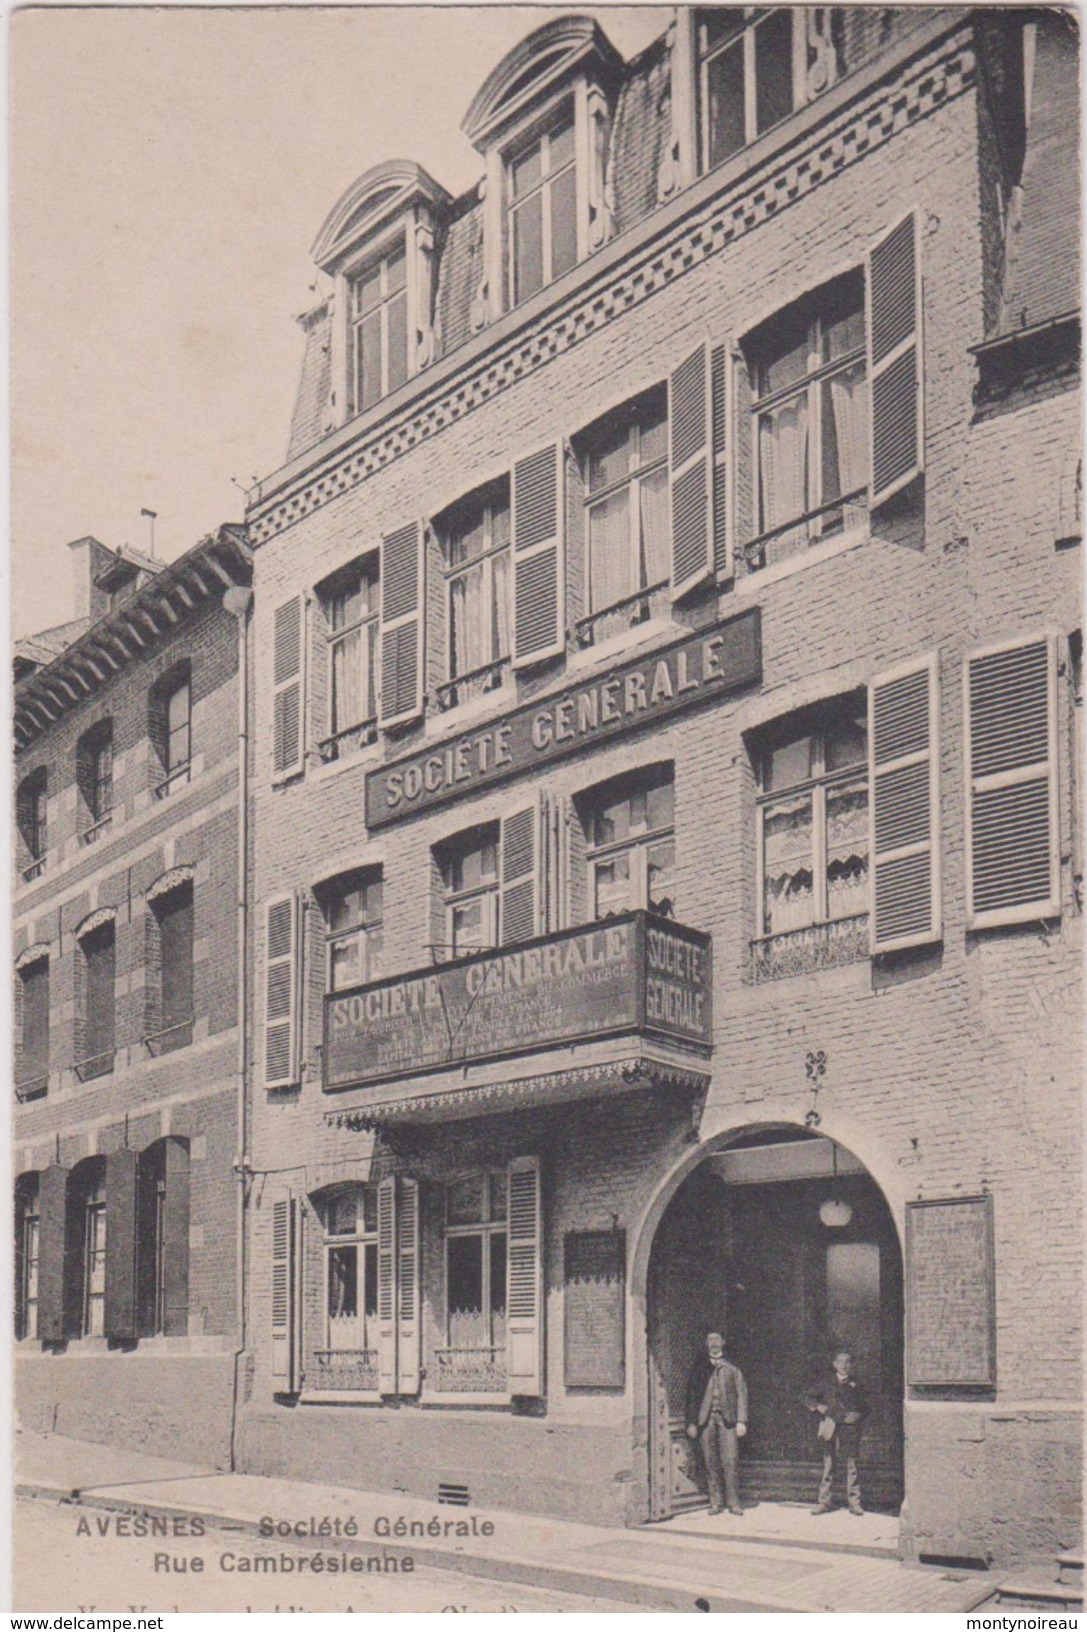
point(628, 974)
point(708, 664)
point(950, 1293)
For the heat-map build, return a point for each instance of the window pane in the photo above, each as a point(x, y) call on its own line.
point(368, 361)
point(468, 927)
point(350, 603)
point(496, 1186)
point(660, 806)
point(368, 290)
point(720, 23)
point(660, 865)
point(847, 849)
point(612, 824)
point(500, 521)
point(343, 1298)
point(845, 432)
point(525, 171)
point(725, 94)
point(345, 963)
point(98, 952)
point(564, 222)
point(612, 886)
point(178, 711)
point(500, 568)
point(843, 331)
point(498, 1289)
point(395, 271)
point(656, 528)
point(787, 765)
point(773, 69)
point(788, 357)
point(476, 864)
point(562, 146)
point(467, 540)
point(787, 862)
point(846, 744)
point(469, 623)
point(370, 1286)
point(528, 248)
point(176, 948)
point(783, 463)
point(610, 574)
point(609, 458)
point(464, 1199)
point(349, 700)
point(467, 1321)
point(654, 439)
point(397, 313)
point(342, 1212)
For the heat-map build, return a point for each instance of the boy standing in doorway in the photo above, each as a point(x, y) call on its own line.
point(839, 1403)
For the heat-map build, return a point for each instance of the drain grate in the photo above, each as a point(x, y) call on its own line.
point(453, 1495)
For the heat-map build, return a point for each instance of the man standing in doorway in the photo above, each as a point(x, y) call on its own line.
point(717, 1418)
point(840, 1406)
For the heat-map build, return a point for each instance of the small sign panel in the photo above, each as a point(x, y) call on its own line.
point(594, 1321)
point(950, 1293)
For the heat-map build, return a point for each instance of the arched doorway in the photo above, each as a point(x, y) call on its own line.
point(750, 1246)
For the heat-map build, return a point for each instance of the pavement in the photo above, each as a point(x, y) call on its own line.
point(770, 1560)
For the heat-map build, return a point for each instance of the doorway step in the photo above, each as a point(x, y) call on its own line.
point(788, 1524)
point(1044, 1589)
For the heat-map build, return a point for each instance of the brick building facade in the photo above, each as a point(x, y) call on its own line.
point(126, 1003)
point(668, 869)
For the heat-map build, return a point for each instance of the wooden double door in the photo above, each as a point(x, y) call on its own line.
point(758, 1263)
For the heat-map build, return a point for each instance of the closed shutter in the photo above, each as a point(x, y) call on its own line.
point(288, 686)
point(286, 1294)
point(894, 360)
point(386, 1286)
point(524, 1293)
point(403, 594)
point(121, 1313)
point(409, 1325)
point(724, 410)
point(52, 1253)
point(905, 806)
point(690, 421)
point(539, 567)
point(522, 868)
point(1011, 745)
point(281, 992)
point(175, 1246)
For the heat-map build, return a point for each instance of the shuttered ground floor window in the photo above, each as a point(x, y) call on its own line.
point(473, 1358)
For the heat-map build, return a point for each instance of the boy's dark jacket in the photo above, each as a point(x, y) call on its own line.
point(841, 1399)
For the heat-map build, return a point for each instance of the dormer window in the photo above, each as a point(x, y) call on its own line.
point(379, 324)
point(542, 209)
point(746, 76)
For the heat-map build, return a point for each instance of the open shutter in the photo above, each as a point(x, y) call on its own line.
point(281, 992)
point(286, 1294)
point(724, 410)
point(539, 567)
point(288, 716)
point(175, 1246)
point(522, 870)
point(524, 1295)
point(52, 1253)
point(120, 1312)
point(1012, 858)
point(386, 1286)
point(409, 1325)
point(893, 314)
point(403, 581)
point(905, 806)
point(690, 422)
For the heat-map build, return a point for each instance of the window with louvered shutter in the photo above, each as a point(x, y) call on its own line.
point(282, 989)
point(1012, 827)
point(403, 594)
point(520, 909)
point(539, 568)
point(722, 379)
point(690, 433)
point(386, 1287)
point(120, 1304)
point(286, 1294)
point(409, 1325)
point(288, 657)
point(905, 807)
point(524, 1289)
point(894, 359)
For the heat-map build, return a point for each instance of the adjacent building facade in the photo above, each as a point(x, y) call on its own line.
point(127, 1061)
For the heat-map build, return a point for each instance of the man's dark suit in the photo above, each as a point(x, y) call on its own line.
point(714, 1406)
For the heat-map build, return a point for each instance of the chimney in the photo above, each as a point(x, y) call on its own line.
point(88, 559)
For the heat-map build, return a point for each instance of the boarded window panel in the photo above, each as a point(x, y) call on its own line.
point(288, 656)
point(99, 954)
point(282, 992)
point(524, 1308)
point(1012, 859)
point(690, 411)
point(539, 565)
point(175, 915)
point(403, 570)
point(894, 359)
point(594, 1309)
point(34, 1039)
point(904, 799)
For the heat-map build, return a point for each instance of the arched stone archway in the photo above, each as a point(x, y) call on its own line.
point(739, 1239)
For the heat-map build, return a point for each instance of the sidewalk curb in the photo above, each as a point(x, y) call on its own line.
point(646, 1595)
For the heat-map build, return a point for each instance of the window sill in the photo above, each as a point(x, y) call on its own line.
point(339, 1396)
point(464, 1400)
point(752, 582)
point(639, 634)
point(321, 770)
point(808, 950)
point(453, 720)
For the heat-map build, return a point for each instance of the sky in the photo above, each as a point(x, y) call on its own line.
point(170, 170)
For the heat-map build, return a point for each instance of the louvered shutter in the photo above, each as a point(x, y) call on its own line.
point(896, 421)
point(524, 1292)
point(904, 807)
point(409, 1326)
point(539, 567)
point(288, 715)
point(52, 1253)
point(281, 992)
point(175, 1246)
point(721, 387)
point(522, 868)
point(386, 1286)
point(1011, 744)
point(403, 594)
point(690, 474)
point(120, 1307)
point(286, 1294)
